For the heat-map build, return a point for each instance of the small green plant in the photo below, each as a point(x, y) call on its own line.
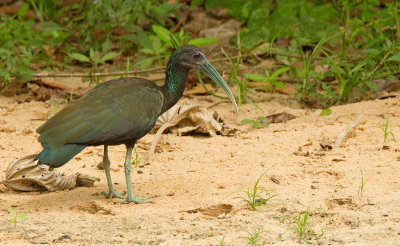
point(308, 73)
point(271, 79)
point(94, 59)
point(349, 75)
point(19, 47)
point(301, 227)
point(326, 111)
point(386, 131)
point(256, 123)
point(54, 109)
point(44, 9)
point(16, 216)
point(176, 40)
point(258, 196)
point(137, 158)
point(361, 187)
point(221, 242)
point(157, 46)
point(241, 84)
point(253, 237)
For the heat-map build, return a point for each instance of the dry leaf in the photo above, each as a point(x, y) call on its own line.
point(278, 118)
point(183, 119)
point(25, 175)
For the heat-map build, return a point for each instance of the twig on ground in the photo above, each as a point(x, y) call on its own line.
point(156, 138)
point(346, 131)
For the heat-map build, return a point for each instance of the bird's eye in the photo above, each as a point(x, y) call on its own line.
point(197, 55)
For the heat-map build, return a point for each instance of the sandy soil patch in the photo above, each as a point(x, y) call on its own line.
point(195, 174)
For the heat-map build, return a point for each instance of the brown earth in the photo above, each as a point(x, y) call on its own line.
point(195, 176)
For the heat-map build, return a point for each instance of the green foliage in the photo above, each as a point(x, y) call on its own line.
point(308, 72)
point(253, 237)
point(271, 79)
point(301, 226)
point(349, 75)
point(158, 46)
point(221, 242)
point(20, 46)
point(366, 33)
point(45, 9)
point(16, 216)
point(241, 83)
point(361, 187)
point(302, 229)
point(80, 28)
point(99, 22)
point(202, 41)
point(176, 40)
point(326, 111)
point(304, 20)
point(256, 123)
point(137, 158)
point(233, 76)
point(355, 42)
point(53, 110)
point(386, 131)
point(95, 59)
point(256, 197)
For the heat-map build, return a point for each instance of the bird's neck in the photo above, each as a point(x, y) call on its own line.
point(174, 84)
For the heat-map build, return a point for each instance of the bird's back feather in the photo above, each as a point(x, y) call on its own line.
point(116, 112)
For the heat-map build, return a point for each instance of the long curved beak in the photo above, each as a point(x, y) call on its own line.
point(211, 72)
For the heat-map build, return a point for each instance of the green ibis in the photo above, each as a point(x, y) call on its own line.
point(120, 111)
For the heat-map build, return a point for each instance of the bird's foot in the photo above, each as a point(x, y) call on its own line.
point(111, 194)
point(137, 199)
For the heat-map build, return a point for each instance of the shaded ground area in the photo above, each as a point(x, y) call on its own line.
point(194, 175)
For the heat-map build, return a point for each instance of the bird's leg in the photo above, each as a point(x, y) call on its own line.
point(128, 168)
point(106, 162)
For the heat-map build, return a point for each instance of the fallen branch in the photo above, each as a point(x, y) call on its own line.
point(156, 138)
point(136, 72)
point(346, 131)
point(80, 91)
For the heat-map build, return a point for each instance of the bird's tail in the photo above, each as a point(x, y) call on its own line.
point(56, 157)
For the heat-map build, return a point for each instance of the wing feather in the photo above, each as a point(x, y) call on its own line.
point(114, 112)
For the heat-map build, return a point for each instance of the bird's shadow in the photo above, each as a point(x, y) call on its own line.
point(56, 200)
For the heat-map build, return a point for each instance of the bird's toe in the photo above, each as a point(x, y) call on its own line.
point(111, 194)
point(138, 200)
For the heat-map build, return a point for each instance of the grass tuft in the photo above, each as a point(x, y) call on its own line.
point(255, 197)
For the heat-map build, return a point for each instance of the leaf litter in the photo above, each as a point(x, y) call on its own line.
point(185, 119)
point(25, 175)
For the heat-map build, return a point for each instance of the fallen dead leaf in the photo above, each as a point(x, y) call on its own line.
point(25, 175)
point(184, 119)
point(278, 118)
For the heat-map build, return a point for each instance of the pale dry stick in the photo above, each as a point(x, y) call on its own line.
point(156, 69)
point(156, 138)
point(346, 131)
point(82, 75)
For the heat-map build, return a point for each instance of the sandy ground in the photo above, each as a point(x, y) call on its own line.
point(196, 174)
